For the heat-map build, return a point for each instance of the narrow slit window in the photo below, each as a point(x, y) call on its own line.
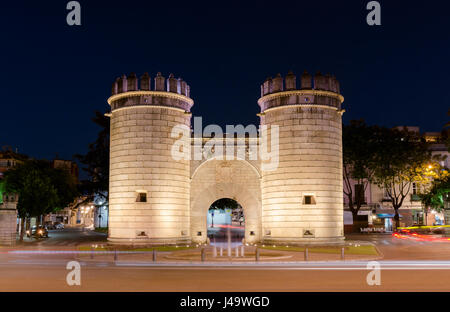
point(309, 200)
point(141, 197)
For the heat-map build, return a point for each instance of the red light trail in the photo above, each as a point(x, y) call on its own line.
point(406, 234)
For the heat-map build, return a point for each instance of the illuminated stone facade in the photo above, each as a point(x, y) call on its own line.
point(302, 199)
point(157, 199)
point(141, 164)
point(8, 219)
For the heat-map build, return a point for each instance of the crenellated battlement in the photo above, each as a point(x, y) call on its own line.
point(131, 91)
point(307, 82)
point(317, 90)
point(144, 83)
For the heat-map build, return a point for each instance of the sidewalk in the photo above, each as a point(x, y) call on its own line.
point(194, 256)
point(100, 251)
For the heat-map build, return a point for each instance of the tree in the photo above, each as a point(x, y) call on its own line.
point(66, 187)
point(96, 161)
point(359, 154)
point(42, 189)
point(434, 193)
point(402, 159)
point(434, 197)
point(225, 203)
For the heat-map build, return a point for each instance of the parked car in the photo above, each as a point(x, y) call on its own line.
point(50, 225)
point(59, 226)
point(39, 232)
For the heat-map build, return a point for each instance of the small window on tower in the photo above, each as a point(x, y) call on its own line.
point(309, 200)
point(141, 197)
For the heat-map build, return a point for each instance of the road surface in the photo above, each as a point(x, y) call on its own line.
point(407, 266)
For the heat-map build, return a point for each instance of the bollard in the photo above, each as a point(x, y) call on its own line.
point(215, 252)
point(343, 253)
point(92, 253)
point(221, 251)
point(154, 255)
point(236, 252)
point(306, 254)
point(257, 254)
point(229, 251)
point(203, 254)
point(242, 251)
point(115, 254)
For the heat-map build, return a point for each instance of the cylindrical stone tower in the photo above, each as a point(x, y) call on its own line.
point(149, 189)
point(302, 200)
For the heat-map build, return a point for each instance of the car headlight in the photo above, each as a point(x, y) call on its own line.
point(28, 232)
point(40, 232)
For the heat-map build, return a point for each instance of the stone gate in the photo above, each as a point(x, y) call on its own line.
point(156, 198)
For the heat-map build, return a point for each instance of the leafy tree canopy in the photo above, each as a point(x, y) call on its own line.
point(403, 159)
point(224, 203)
point(96, 161)
point(42, 189)
point(360, 147)
point(436, 195)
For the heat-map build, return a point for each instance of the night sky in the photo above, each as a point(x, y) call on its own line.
point(54, 76)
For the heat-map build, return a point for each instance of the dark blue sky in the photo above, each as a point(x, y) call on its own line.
point(54, 76)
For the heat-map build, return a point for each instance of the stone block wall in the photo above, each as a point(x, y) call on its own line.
point(302, 199)
point(141, 162)
point(8, 224)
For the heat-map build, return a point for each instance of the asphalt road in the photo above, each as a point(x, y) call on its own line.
point(397, 249)
point(407, 266)
point(51, 276)
point(67, 237)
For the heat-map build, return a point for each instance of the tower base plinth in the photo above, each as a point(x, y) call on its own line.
point(328, 241)
point(150, 241)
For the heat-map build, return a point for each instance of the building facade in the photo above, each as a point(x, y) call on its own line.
point(377, 212)
point(156, 198)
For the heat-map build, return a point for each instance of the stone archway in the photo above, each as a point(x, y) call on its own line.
point(235, 179)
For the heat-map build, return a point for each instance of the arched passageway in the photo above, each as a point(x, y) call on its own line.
point(225, 223)
point(216, 179)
